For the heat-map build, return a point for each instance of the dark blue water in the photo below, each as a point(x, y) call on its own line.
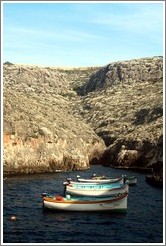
point(143, 222)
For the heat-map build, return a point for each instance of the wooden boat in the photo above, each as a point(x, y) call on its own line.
point(91, 184)
point(114, 204)
point(101, 179)
point(131, 180)
point(94, 189)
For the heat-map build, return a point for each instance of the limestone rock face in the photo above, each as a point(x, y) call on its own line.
point(58, 118)
point(127, 157)
point(125, 72)
point(138, 153)
point(40, 132)
point(123, 102)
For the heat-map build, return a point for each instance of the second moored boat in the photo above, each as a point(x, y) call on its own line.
point(95, 189)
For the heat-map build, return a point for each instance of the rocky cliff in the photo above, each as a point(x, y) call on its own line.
point(40, 132)
point(58, 118)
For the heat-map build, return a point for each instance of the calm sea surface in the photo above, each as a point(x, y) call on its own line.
point(143, 222)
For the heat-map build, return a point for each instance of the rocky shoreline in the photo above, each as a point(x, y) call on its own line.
point(69, 119)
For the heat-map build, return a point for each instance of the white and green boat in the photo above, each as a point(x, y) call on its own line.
point(86, 204)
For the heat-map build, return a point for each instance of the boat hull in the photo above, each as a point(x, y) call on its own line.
point(96, 192)
point(118, 204)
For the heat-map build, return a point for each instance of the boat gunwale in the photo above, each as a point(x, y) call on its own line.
point(54, 200)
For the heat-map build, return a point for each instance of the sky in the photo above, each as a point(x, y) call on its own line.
point(80, 34)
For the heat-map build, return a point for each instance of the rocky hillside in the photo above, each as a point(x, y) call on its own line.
point(123, 102)
point(112, 115)
point(40, 132)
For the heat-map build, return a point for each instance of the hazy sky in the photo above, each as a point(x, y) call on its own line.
point(82, 33)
